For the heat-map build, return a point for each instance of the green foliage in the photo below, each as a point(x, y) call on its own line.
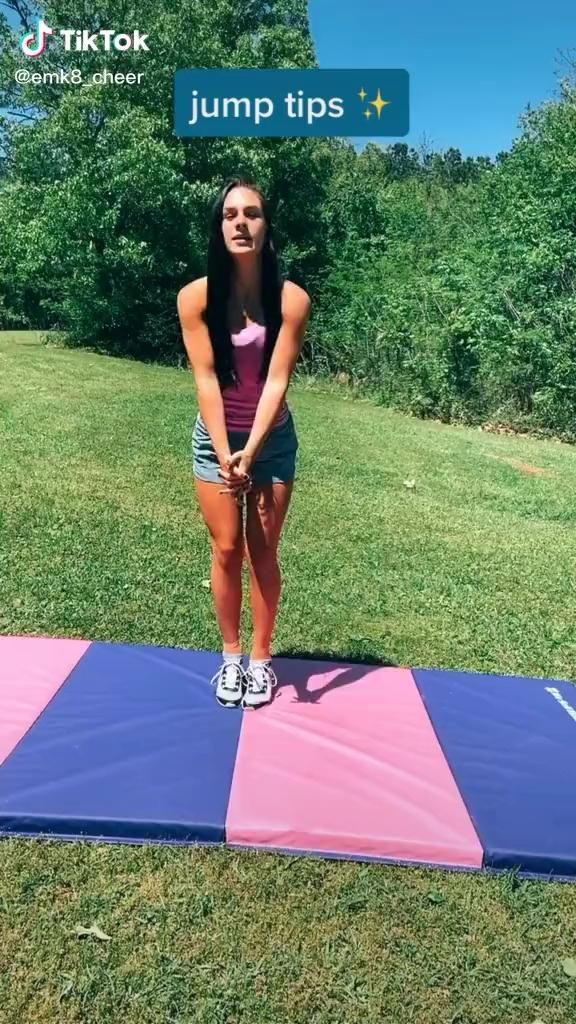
point(458, 300)
point(443, 285)
point(107, 211)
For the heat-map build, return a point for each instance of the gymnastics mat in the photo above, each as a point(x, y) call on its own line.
point(125, 743)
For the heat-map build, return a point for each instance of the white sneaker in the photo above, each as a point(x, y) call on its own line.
point(259, 682)
point(230, 684)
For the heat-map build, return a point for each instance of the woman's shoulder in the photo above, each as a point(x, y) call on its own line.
point(194, 293)
point(295, 299)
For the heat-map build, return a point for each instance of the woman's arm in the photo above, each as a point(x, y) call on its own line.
point(191, 302)
point(295, 313)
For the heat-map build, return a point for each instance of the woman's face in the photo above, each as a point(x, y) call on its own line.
point(243, 223)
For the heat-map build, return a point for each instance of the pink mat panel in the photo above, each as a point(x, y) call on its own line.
point(346, 761)
point(32, 670)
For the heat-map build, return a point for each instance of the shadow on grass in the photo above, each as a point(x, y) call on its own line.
point(312, 663)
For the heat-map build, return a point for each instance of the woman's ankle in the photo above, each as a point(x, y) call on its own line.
point(232, 648)
point(261, 654)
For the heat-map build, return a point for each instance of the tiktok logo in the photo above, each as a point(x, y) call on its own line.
point(82, 40)
point(35, 42)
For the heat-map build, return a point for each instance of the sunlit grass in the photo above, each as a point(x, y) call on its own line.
point(472, 567)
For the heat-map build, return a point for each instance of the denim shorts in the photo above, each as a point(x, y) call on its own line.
point(275, 462)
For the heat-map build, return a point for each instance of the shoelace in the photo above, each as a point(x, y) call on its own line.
point(228, 672)
point(259, 677)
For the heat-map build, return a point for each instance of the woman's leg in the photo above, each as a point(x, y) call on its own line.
point(223, 517)
point(266, 507)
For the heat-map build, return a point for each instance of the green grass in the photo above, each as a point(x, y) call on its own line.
point(472, 568)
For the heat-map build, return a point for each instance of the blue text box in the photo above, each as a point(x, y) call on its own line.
point(291, 102)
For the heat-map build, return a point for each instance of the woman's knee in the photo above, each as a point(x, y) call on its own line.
point(262, 554)
point(228, 551)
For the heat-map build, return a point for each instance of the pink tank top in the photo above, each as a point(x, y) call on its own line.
point(241, 400)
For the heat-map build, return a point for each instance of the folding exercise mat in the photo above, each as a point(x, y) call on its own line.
point(125, 743)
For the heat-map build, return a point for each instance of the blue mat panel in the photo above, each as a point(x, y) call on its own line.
point(510, 742)
point(132, 748)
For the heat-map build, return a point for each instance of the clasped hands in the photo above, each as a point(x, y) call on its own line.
point(235, 469)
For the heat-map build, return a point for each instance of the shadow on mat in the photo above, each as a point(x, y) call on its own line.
point(299, 675)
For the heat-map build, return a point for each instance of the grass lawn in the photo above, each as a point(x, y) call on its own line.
point(473, 568)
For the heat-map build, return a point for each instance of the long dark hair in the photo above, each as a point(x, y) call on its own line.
point(219, 269)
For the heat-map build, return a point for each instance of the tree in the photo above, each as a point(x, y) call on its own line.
point(117, 206)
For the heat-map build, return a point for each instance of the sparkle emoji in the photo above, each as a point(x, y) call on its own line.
point(378, 103)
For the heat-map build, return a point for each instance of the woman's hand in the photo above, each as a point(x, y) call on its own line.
point(235, 469)
point(241, 461)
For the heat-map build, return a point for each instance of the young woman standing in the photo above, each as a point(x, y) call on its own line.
point(243, 329)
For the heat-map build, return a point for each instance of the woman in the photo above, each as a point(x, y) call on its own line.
point(243, 329)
